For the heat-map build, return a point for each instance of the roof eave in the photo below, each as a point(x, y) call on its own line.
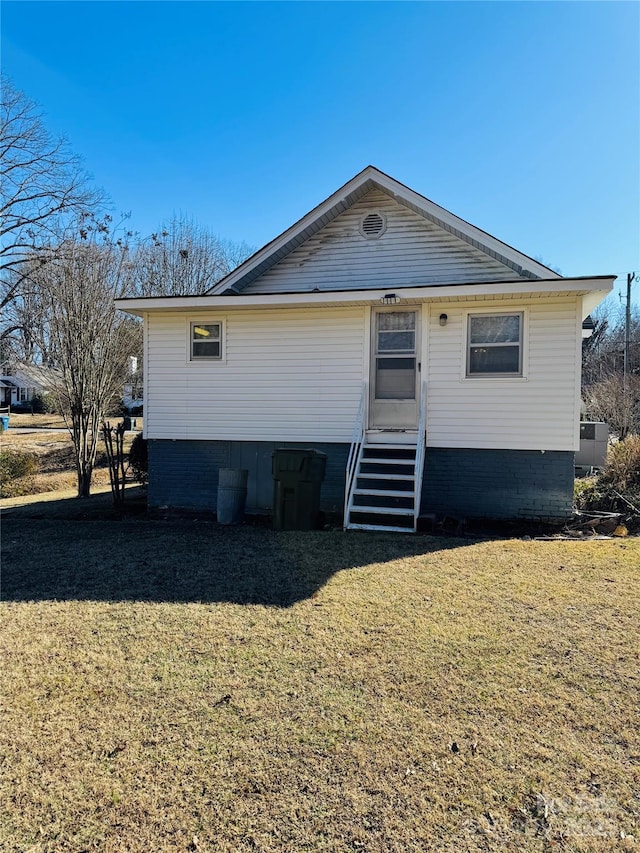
point(214, 304)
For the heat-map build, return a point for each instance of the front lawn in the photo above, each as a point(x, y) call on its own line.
point(51, 450)
point(172, 685)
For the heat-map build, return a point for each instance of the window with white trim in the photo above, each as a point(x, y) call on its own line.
point(206, 341)
point(494, 345)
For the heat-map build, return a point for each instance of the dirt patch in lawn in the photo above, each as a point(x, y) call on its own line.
point(172, 685)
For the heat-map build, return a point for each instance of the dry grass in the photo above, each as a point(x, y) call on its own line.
point(172, 685)
point(54, 452)
point(51, 421)
point(46, 421)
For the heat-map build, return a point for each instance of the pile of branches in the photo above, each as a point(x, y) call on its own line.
point(611, 499)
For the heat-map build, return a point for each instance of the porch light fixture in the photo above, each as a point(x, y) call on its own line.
point(390, 299)
point(443, 319)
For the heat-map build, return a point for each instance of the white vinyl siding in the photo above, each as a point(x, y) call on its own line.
point(290, 375)
point(296, 375)
point(411, 252)
point(536, 411)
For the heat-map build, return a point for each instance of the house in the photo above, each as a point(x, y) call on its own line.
point(21, 382)
point(437, 367)
point(132, 390)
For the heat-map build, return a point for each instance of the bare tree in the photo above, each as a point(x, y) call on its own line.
point(88, 341)
point(605, 393)
point(184, 258)
point(42, 184)
point(616, 403)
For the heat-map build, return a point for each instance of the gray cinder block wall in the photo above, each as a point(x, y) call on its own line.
point(498, 483)
point(184, 474)
point(459, 482)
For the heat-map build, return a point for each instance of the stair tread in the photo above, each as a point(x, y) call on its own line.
point(382, 510)
point(374, 460)
point(391, 493)
point(375, 475)
point(381, 527)
point(384, 446)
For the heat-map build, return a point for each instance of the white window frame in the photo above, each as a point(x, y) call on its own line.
point(206, 321)
point(522, 374)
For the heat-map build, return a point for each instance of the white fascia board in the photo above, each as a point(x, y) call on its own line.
point(297, 228)
point(485, 239)
point(563, 286)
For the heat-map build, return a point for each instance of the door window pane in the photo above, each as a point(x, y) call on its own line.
point(396, 321)
point(396, 341)
point(395, 378)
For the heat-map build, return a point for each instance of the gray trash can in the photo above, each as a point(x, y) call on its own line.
point(232, 495)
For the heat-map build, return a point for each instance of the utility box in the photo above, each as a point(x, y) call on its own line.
point(594, 440)
point(297, 481)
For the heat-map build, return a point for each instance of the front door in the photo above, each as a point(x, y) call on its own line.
point(394, 369)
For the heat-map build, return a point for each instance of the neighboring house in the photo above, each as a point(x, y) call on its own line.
point(437, 367)
point(132, 390)
point(20, 382)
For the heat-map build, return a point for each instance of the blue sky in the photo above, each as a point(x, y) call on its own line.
point(522, 118)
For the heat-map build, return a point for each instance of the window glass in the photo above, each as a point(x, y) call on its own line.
point(395, 378)
point(494, 360)
point(396, 331)
point(206, 340)
point(495, 329)
point(495, 344)
point(396, 341)
point(393, 321)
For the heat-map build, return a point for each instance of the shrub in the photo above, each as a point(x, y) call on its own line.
point(138, 459)
point(44, 404)
point(39, 404)
point(22, 407)
point(17, 470)
point(617, 488)
point(622, 470)
point(591, 494)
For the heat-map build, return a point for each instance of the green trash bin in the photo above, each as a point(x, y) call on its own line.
point(297, 481)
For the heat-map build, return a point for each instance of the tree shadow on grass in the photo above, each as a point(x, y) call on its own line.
point(185, 560)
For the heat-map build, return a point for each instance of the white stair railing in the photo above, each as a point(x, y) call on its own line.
point(420, 451)
point(355, 452)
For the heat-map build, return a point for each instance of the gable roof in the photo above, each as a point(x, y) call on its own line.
point(25, 375)
point(344, 198)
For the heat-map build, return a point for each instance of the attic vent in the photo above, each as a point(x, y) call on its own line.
point(373, 225)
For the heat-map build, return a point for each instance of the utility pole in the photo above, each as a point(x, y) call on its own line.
point(625, 374)
point(627, 325)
